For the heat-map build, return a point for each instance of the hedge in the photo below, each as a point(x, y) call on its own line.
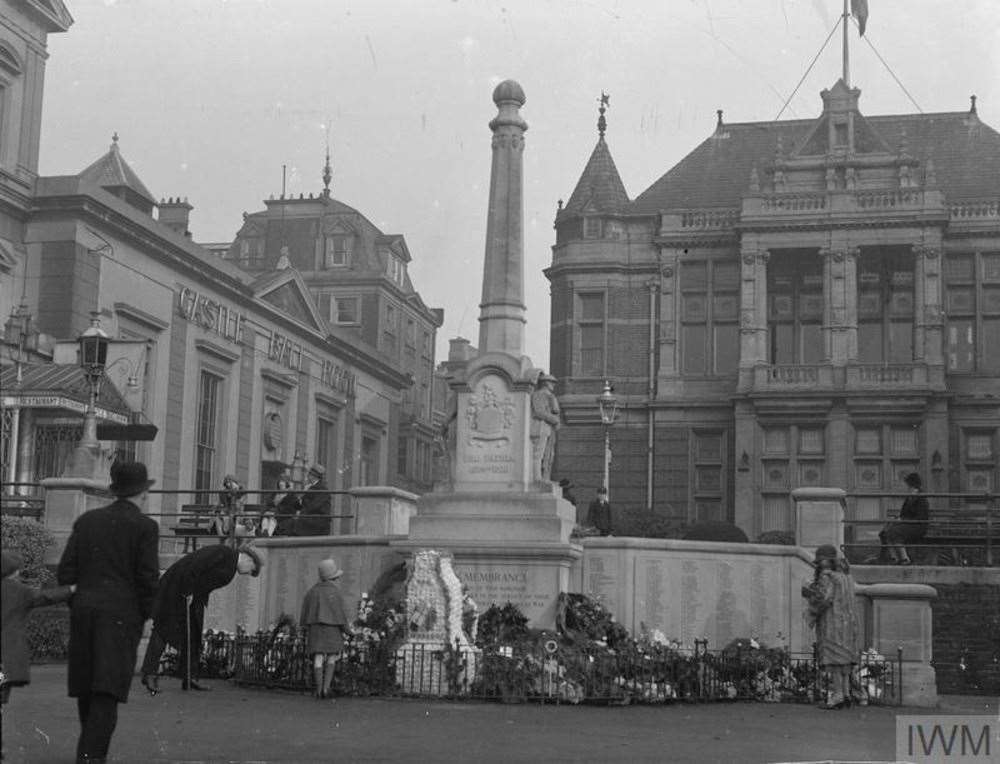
point(48, 627)
point(31, 540)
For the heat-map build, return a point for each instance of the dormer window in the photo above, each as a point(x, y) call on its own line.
point(251, 252)
point(337, 251)
point(592, 228)
point(395, 269)
point(347, 310)
point(840, 135)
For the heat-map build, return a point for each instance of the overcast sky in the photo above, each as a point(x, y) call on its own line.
point(211, 98)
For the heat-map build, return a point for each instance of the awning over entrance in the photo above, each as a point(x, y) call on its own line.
point(61, 386)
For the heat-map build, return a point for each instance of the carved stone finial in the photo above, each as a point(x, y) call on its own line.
point(718, 119)
point(972, 104)
point(560, 205)
point(327, 173)
point(602, 123)
point(114, 141)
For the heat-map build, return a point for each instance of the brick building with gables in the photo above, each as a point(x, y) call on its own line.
point(812, 302)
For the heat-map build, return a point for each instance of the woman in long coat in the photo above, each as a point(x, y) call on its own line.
point(833, 613)
point(195, 575)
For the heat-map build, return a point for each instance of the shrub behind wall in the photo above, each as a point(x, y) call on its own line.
point(31, 540)
point(48, 627)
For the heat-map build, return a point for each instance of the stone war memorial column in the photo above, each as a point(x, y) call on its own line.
point(498, 513)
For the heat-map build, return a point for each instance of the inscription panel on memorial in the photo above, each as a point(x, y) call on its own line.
point(490, 434)
point(530, 588)
point(690, 598)
point(600, 579)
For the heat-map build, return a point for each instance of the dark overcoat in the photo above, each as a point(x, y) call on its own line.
point(599, 515)
point(314, 519)
point(197, 574)
point(112, 556)
point(18, 601)
point(284, 512)
point(916, 510)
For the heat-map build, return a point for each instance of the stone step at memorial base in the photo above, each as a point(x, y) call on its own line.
point(496, 517)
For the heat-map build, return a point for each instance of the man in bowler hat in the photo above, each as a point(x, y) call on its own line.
point(112, 557)
point(179, 609)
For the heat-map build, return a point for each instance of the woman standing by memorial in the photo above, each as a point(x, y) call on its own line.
point(832, 613)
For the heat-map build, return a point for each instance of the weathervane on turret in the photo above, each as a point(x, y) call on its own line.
point(327, 171)
point(602, 123)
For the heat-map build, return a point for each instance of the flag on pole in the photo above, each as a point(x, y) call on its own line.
point(859, 9)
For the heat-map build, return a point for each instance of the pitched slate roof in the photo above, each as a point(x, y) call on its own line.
point(965, 151)
point(112, 171)
point(600, 188)
point(61, 379)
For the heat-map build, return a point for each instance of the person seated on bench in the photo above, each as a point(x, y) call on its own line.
point(914, 513)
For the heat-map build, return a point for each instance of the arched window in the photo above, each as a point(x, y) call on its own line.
point(10, 70)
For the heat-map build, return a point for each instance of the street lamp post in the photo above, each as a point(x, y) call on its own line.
point(93, 346)
point(608, 406)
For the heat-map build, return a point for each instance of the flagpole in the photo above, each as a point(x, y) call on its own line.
point(847, 60)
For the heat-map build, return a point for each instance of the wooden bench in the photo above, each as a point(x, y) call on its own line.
point(954, 537)
point(195, 522)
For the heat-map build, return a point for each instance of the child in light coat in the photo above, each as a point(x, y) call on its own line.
point(325, 619)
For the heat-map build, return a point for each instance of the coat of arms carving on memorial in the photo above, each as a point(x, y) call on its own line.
point(490, 418)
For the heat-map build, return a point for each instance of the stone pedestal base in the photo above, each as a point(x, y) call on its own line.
point(530, 575)
point(66, 499)
point(901, 620)
point(819, 517)
point(507, 546)
point(429, 667)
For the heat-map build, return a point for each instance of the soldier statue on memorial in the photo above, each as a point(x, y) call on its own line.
point(545, 420)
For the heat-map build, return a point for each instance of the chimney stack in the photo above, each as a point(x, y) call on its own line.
point(175, 214)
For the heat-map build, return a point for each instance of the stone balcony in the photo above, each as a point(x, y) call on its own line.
point(903, 376)
point(800, 206)
point(774, 378)
point(974, 215)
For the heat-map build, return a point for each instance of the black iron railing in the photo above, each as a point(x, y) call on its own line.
point(545, 673)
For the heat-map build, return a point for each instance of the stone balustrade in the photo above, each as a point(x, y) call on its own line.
point(986, 208)
point(891, 376)
point(709, 219)
point(778, 377)
point(874, 200)
point(784, 203)
point(841, 202)
point(792, 376)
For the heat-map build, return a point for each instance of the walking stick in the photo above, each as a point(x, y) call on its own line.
point(187, 629)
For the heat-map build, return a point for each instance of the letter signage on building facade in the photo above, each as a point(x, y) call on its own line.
point(205, 312)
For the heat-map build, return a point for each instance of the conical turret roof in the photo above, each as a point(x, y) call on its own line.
point(113, 173)
point(600, 188)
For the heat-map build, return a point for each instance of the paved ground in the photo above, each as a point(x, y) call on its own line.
point(233, 724)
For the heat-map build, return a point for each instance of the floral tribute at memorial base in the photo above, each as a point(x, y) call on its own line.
point(436, 644)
